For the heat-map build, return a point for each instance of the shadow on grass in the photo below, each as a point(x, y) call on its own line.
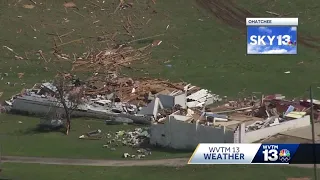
point(145, 41)
point(42, 129)
point(183, 153)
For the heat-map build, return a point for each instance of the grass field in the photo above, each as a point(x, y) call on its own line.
point(20, 140)
point(210, 53)
point(201, 49)
point(243, 172)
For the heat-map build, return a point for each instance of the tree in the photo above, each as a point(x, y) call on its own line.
point(69, 95)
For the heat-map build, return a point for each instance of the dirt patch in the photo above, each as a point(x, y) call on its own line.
point(230, 13)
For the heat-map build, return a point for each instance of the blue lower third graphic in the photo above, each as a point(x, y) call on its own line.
point(272, 40)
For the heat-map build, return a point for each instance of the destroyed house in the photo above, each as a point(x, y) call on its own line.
point(179, 132)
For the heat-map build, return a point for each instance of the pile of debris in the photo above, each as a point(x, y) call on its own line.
point(135, 139)
point(124, 100)
point(256, 113)
point(115, 99)
point(92, 135)
point(141, 153)
point(153, 97)
point(111, 59)
point(136, 91)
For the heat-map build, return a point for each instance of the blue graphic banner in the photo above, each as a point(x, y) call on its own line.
point(271, 39)
point(255, 153)
point(275, 153)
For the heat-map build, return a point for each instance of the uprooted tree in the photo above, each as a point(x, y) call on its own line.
point(69, 94)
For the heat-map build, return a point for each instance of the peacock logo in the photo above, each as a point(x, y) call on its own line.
point(284, 155)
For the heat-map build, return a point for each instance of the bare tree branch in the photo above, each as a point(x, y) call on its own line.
point(69, 95)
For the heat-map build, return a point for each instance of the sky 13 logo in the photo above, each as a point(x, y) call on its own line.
point(270, 40)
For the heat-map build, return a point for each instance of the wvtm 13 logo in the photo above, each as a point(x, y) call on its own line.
point(279, 40)
point(272, 154)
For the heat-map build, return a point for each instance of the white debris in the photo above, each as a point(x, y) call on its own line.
point(140, 156)
point(201, 98)
point(126, 155)
point(133, 90)
point(189, 112)
point(275, 122)
point(82, 137)
point(8, 103)
point(220, 119)
point(270, 121)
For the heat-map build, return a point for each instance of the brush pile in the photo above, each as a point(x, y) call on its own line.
point(111, 59)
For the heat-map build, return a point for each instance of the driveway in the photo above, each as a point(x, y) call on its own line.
point(119, 163)
point(91, 162)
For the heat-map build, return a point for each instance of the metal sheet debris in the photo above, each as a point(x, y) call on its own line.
point(201, 98)
point(166, 101)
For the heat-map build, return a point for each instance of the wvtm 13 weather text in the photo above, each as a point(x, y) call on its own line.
point(272, 35)
point(257, 153)
point(223, 154)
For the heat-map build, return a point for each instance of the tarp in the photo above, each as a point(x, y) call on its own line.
point(296, 115)
point(290, 109)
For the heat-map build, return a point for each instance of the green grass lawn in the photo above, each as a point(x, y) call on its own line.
point(209, 53)
point(229, 172)
point(19, 140)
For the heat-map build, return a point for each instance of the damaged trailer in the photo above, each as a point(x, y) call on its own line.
point(38, 105)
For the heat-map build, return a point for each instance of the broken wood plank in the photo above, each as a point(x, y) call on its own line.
point(59, 37)
point(234, 110)
point(63, 35)
point(128, 31)
point(70, 42)
point(273, 13)
point(42, 56)
point(117, 7)
point(78, 13)
point(33, 2)
point(138, 19)
point(95, 4)
point(145, 38)
point(11, 50)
